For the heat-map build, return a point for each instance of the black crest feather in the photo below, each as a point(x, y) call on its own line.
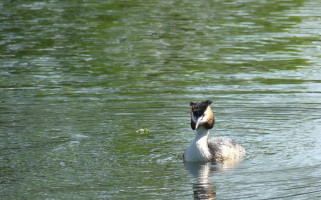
point(198, 108)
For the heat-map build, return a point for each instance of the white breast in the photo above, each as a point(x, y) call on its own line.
point(198, 150)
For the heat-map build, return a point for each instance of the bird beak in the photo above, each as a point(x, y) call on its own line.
point(198, 123)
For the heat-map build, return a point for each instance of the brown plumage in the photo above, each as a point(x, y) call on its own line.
point(223, 148)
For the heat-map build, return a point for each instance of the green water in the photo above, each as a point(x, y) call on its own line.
point(78, 78)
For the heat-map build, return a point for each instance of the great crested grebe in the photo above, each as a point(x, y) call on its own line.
point(205, 149)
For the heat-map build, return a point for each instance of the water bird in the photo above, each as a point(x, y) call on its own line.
point(209, 149)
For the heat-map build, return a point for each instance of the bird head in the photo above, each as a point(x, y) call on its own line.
point(201, 115)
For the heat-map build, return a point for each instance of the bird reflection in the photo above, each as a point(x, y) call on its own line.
point(201, 172)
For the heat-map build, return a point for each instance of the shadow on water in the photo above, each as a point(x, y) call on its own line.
point(201, 174)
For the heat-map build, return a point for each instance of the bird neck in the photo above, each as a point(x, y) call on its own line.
point(198, 150)
point(201, 135)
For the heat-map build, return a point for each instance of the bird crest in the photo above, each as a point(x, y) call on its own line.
point(198, 108)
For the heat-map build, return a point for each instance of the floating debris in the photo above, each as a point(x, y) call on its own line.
point(142, 131)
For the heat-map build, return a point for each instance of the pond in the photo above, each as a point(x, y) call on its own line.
point(79, 78)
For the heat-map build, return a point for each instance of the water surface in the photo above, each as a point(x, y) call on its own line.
point(79, 78)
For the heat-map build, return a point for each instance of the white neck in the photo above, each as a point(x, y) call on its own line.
point(198, 150)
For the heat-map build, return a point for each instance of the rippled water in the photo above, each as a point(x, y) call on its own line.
point(79, 78)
